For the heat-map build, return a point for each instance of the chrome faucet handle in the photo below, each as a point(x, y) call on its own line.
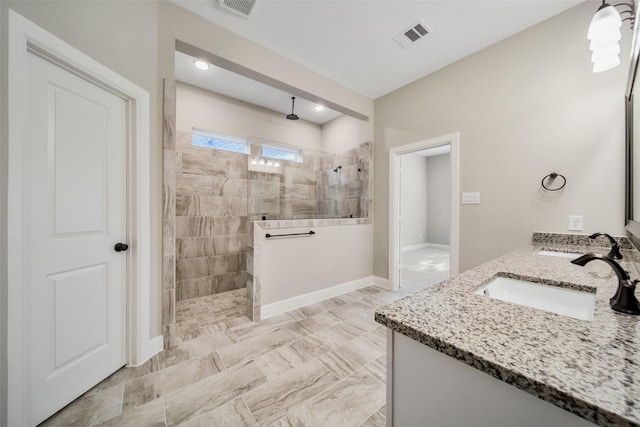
point(615, 248)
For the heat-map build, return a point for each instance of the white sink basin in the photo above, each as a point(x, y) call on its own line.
point(559, 254)
point(567, 302)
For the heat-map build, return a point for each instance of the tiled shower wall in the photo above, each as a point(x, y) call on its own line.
point(211, 220)
point(312, 189)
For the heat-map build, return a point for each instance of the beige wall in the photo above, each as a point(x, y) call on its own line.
point(439, 202)
point(524, 107)
point(413, 196)
point(206, 110)
point(344, 133)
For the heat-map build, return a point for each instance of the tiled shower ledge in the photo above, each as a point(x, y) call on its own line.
point(323, 222)
point(590, 368)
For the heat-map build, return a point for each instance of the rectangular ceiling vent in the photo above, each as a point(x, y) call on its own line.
point(239, 7)
point(412, 34)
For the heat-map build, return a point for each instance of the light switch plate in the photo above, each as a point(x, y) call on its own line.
point(471, 198)
point(576, 222)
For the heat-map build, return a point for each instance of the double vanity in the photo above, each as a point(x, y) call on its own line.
point(527, 339)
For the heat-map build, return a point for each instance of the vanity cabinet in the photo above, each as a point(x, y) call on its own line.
point(429, 388)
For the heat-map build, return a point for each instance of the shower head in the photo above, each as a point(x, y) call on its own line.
point(292, 116)
point(337, 169)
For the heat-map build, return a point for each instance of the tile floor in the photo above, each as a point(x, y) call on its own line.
point(320, 365)
point(422, 268)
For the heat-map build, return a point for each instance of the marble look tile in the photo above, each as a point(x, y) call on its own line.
point(252, 330)
point(337, 335)
point(168, 272)
point(169, 185)
point(275, 399)
point(147, 415)
point(284, 359)
point(203, 185)
point(168, 307)
point(353, 355)
point(251, 348)
point(311, 325)
point(206, 395)
point(89, 409)
point(169, 114)
point(233, 413)
point(349, 402)
point(158, 384)
point(290, 420)
point(192, 349)
point(169, 335)
point(378, 369)
point(188, 205)
point(376, 420)
point(188, 226)
point(125, 374)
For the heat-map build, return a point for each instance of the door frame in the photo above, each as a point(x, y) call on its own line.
point(452, 139)
point(25, 36)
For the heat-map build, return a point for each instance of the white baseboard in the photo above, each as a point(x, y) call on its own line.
point(381, 282)
point(415, 247)
point(279, 307)
point(425, 245)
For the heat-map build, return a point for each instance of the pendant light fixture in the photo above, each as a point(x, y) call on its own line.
point(292, 116)
point(604, 35)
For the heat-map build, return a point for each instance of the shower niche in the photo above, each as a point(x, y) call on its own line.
point(286, 182)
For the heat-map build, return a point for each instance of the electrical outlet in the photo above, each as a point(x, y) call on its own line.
point(576, 223)
point(471, 198)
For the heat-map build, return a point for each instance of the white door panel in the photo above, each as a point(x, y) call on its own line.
point(75, 194)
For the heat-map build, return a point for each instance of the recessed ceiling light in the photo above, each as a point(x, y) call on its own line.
point(202, 65)
point(319, 108)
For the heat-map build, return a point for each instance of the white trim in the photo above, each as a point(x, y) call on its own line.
point(389, 382)
point(425, 245)
point(414, 247)
point(23, 33)
point(394, 201)
point(279, 307)
point(382, 283)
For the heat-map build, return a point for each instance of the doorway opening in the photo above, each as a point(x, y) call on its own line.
point(423, 231)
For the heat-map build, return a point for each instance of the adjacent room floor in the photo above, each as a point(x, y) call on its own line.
point(320, 365)
point(424, 267)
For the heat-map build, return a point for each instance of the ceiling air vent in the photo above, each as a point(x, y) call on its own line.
point(412, 34)
point(240, 7)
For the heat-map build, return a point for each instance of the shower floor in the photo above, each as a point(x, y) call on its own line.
point(319, 365)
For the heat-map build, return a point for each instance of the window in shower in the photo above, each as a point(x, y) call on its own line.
point(282, 152)
point(204, 138)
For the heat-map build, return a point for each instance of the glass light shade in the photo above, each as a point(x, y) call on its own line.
point(261, 162)
point(602, 54)
point(601, 66)
point(605, 20)
point(612, 37)
point(269, 163)
point(254, 161)
point(277, 164)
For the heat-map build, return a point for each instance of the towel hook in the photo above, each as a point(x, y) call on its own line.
point(550, 178)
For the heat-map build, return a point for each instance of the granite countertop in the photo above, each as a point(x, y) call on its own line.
point(590, 368)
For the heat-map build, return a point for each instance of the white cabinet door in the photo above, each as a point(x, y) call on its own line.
point(75, 205)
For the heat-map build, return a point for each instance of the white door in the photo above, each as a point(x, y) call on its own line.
point(75, 211)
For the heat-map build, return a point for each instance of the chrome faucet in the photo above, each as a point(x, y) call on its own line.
point(624, 299)
point(615, 248)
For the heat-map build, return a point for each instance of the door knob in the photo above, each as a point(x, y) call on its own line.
point(121, 247)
